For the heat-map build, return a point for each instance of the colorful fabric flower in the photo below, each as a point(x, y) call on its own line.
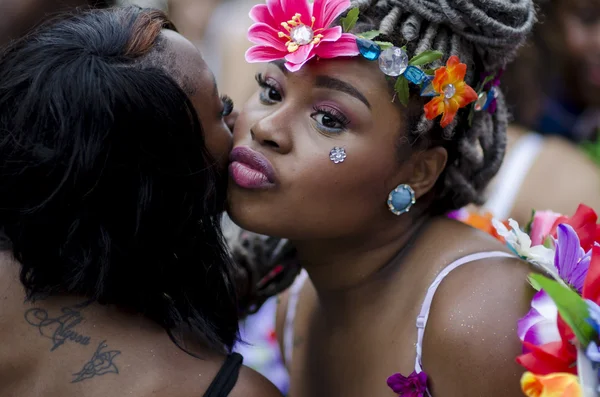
point(570, 259)
point(520, 243)
point(415, 385)
point(454, 93)
point(593, 352)
point(584, 223)
point(542, 226)
point(594, 311)
point(591, 285)
point(552, 357)
point(481, 221)
point(298, 31)
point(539, 327)
point(553, 385)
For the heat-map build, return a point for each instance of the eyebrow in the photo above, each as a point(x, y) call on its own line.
point(339, 85)
point(331, 83)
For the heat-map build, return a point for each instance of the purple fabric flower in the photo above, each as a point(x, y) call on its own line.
point(539, 327)
point(415, 385)
point(593, 353)
point(594, 311)
point(459, 214)
point(570, 259)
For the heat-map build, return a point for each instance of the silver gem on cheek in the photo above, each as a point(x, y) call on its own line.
point(337, 155)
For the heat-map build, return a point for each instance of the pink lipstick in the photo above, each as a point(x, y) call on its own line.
point(250, 169)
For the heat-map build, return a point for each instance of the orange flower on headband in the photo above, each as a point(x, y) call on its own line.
point(454, 93)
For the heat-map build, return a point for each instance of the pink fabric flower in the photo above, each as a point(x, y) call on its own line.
point(415, 385)
point(297, 31)
point(542, 224)
point(539, 327)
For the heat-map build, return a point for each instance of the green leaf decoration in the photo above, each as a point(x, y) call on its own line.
point(528, 226)
point(370, 35)
point(571, 306)
point(425, 57)
point(548, 242)
point(471, 116)
point(536, 286)
point(350, 19)
point(384, 44)
point(487, 80)
point(401, 88)
point(429, 72)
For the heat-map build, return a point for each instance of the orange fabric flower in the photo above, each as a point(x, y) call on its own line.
point(483, 222)
point(553, 385)
point(448, 103)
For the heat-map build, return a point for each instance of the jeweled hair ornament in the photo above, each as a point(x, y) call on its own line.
point(298, 31)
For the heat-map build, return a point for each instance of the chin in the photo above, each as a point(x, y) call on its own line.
point(253, 212)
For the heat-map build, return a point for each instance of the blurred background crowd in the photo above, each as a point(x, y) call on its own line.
point(553, 158)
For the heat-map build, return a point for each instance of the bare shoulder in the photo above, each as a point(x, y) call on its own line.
point(252, 384)
point(471, 341)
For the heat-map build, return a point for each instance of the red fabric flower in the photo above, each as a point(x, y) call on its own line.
point(591, 285)
point(584, 223)
point(554, 356)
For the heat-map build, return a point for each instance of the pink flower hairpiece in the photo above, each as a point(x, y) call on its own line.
point(298, 31)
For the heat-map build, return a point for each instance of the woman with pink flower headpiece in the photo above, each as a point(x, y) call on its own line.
point(372, 120)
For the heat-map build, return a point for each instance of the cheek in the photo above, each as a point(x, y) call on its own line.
point(219, 143)
point(327, 200)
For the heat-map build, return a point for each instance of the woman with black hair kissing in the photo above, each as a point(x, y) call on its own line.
point(114, 277)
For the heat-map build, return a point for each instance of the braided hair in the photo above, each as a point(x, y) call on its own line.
point(485, 35)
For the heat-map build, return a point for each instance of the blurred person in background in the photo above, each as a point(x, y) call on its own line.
point(218, 28)
point(553, 90)
point(554, 87)
point(18, 16)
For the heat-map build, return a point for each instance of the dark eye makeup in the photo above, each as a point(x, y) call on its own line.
point(227, 106)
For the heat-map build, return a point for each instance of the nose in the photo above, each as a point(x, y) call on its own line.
point(273, 132)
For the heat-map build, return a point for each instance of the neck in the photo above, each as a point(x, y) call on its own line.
point(342, 266)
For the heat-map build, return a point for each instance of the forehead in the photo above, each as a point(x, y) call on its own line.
point(187, 67)
point(362, 74)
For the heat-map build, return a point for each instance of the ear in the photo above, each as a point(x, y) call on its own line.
point(426, 169)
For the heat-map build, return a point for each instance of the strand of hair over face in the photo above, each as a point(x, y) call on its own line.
point(485, 35)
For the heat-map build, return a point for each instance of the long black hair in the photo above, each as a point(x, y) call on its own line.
point(107, 191)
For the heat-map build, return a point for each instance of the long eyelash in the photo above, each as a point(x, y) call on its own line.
point(260, 79)
point(334, 114)
point(227, 105)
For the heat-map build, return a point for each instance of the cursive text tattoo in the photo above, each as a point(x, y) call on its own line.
point(59, 329)
point(100, 364)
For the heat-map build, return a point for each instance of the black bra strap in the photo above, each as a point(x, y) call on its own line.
point(227, 377)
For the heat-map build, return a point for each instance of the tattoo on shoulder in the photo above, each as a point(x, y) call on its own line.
point(101, 363)
point(58, 329)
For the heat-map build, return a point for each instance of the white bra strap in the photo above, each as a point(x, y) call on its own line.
point(512, 175)
point(290, 314)
point(424, 314)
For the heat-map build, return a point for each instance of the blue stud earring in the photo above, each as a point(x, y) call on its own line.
point(401, 199)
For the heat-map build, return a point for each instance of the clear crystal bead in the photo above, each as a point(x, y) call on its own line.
point(302, 35)
point(337, 155)
point(481, 101)
point(449, 91)
point(393, 61)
